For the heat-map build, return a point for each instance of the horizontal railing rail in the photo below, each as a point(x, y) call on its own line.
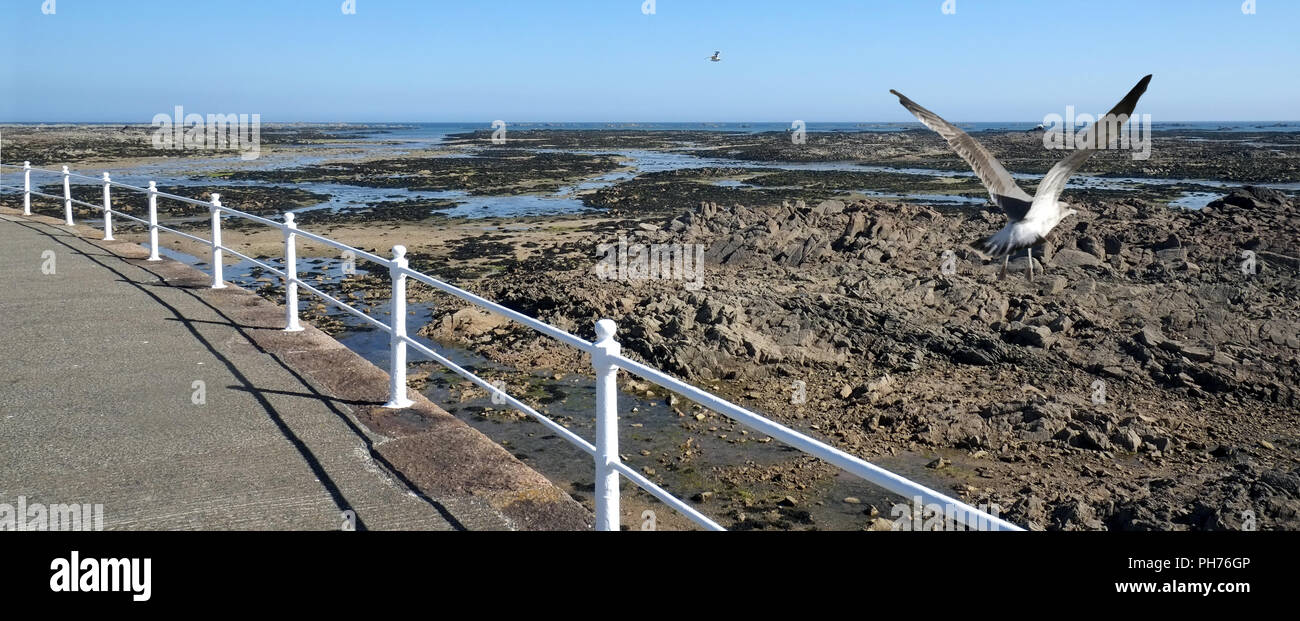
point(605, 353)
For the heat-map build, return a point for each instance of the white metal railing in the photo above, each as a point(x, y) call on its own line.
point(605, 355)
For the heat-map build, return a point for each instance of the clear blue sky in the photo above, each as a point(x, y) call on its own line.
point(604, 60)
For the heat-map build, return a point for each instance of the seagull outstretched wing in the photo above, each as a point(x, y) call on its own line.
point(1006, 194)
point(1098, 135)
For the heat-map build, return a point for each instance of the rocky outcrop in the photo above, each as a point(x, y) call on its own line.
point(1142, 336)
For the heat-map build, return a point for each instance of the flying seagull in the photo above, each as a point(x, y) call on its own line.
point(1029, 218)
point(716, 57)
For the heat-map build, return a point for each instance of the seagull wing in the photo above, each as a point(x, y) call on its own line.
point(1013, 200)
point(1097, 135)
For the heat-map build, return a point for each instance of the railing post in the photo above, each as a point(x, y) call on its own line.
point(27, 188)
point(290, 275)
point(153, 221)
point(108, 210)
point(397, 343)
point(67, 198)
point(607, 510)
point(217, 281)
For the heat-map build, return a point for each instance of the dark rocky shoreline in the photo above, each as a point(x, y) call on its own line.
point(1178, 154)
point(496, 171)
point(1200, 361)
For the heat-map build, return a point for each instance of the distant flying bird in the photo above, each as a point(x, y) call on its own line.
point(1030, 218)
point(716, 57)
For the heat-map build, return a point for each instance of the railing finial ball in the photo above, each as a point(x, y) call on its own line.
point(288, 217)
point(605, 329)
point(399, 251)
point(106, 177)
point(216, 198)
point(153, 185)
point(65, 170)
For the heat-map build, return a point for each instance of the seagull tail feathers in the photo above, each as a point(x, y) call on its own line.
point(1006, 241)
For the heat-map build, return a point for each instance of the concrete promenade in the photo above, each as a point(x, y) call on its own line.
point(133, 385)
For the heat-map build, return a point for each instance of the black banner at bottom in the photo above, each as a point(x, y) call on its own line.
point(188, 571)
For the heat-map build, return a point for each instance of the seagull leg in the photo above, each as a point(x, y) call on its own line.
point(1030, 252)
point(1005, 261)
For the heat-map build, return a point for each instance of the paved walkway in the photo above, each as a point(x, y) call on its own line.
point(100, 367)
